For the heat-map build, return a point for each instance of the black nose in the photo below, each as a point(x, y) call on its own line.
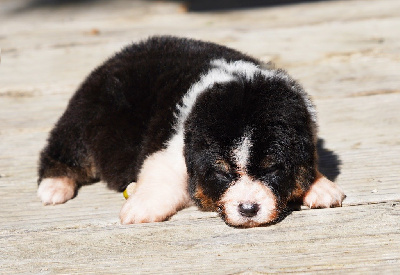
point(248, 209)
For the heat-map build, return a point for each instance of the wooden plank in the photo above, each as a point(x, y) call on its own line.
point(356, 239)
point(346, 54)
point(363, 133)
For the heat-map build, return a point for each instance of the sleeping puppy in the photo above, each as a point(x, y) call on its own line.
point(189, 121)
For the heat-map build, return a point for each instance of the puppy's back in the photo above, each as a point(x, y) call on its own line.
point(124, 110)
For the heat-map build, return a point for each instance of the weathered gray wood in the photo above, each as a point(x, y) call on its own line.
point(358, 238)
point(346, 54)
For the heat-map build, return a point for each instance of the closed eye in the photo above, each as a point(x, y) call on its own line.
point(223, 171)
point(223, 165)
point(223, 177)
point(273, 168)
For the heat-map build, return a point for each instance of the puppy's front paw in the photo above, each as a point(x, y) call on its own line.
point(323, 194)
point(138, 210)
point(56, 190)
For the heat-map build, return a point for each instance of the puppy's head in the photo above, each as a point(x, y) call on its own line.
point(250, 148)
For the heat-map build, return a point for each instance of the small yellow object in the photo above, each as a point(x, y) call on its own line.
point(130, 189)
point(126, 196)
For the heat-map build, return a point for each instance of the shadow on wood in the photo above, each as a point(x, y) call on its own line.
point(329, 162)
point(221, 5)
point(190, 5)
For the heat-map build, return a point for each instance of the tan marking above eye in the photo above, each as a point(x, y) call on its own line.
point(267, 162)
point(223, 165)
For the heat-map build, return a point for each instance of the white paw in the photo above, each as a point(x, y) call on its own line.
point(139, 209)
point(324, 194)
point(161, 188)
point(56, 190)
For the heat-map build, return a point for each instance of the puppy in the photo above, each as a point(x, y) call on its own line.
point(189, 121)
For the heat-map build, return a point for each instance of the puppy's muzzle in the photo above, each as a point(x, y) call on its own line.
point(248, 203)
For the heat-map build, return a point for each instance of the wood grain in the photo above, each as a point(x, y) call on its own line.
point(346, 54)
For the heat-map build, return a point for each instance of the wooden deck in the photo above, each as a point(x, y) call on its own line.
point(345, 53)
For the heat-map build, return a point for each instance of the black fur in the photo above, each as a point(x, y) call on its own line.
point(124, 111)
point(283, 133)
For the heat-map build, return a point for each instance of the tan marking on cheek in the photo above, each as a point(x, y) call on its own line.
point(207, 203)
point(297, 194)
point(299, 190)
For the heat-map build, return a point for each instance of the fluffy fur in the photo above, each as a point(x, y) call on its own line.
point(188, 121)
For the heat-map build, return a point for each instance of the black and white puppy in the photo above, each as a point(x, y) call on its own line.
point(189, 121)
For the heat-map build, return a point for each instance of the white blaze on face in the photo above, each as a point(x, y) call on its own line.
point(247, 191)
point(241, 153)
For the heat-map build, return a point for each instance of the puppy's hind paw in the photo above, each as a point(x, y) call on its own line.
point(56, 190)
point(324, 193)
